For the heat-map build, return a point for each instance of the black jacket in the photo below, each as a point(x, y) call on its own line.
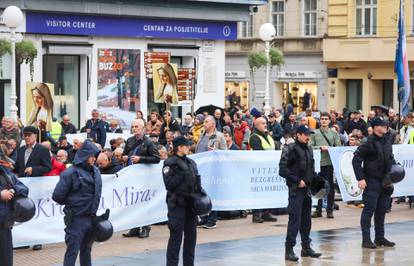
point(181, 179)
point(39, 160)
point(80, 186)
point(144, 148)
point(9, 181)
point(173, 126)
point(68, 129)
point(376, 156)
point(297, 163)
point(289, 128)
point(114, 168)
point(360, 124)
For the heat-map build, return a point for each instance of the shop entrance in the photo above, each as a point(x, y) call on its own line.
point(63, 72)
point(302, 95)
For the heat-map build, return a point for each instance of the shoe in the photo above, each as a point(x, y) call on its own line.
point(384, 242)
point(307, 251)
point(329, 215)
point(316, 214)
point(243, 214)
point(202, 221)
point(257, 219)
point(134, 232)
point(209, 225)
point(145, 232)
point(368, 244)
point(267, 217)
point(22, 247)
point(336, 207)
point(37, 247)
point(290, 254)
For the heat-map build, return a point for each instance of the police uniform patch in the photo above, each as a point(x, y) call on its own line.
point(166, 170)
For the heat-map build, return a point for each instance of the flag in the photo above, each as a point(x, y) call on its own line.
point(401, 65)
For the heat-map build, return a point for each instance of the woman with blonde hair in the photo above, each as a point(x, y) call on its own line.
point(42, 112)
point(167, 90)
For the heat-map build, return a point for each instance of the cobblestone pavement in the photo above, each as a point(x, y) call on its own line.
point(241, 232)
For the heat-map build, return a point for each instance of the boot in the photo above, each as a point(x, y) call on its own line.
point(267, 217)
point(145, 231)
point(290, 254)
point(307, 251)
point(384, 242)
point(257, 219)
point(317, 214)
point(368, 244)
point(134, 232)
point(330, 215)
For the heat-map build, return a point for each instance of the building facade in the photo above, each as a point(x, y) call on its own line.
point(360, 52)
point(300, 27)
point(111, 56)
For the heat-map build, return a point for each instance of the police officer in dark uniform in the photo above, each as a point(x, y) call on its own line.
point(79, 189)
point(377, 158)
point(181, 179)
point(10, 187)
point(297, 166)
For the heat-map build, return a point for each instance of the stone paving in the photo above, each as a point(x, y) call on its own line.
point(231, 234)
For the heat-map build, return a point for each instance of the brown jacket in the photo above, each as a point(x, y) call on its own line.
point(153, 129)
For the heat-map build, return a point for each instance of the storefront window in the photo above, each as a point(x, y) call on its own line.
point(63, 72)
point(302, 95)
point(387, 92)
point(237, 93)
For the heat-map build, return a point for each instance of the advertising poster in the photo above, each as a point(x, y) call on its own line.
point(119, 84)
point(39, 105)
point(165, 83)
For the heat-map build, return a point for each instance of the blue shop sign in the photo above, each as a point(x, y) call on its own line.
point(66, 24)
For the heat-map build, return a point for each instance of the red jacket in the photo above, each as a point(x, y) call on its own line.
point(57, 168)
point(239, 134)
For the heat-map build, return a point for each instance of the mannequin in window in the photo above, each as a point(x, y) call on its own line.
point(306, 100)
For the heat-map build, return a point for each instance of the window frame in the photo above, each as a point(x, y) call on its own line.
point(360, 30)
point(280, 29)
point(247, 28)
point(310, 12)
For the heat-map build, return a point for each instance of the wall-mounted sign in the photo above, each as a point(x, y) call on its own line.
point(299, 75)
point(67, 24)
point(235, 74)
point(154, 58)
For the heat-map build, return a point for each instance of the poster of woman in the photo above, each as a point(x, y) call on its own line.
point(39, 105)
point(165, 83)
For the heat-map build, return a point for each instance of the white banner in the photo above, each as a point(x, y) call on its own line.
point(109, 136)
point(345, 175)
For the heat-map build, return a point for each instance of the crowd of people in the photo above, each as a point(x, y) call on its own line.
point(37, 153)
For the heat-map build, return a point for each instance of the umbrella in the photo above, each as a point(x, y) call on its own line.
point(209, 109)
point(384, 109)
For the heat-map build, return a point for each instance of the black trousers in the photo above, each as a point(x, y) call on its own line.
point(78, 241)
point(375, 204)
point(327, 173)
point(299, 209)
point(6, 247)
point(181, 219)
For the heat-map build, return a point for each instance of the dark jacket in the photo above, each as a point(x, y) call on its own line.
point(376, 154)
point(360, 124)
point(114, 168)
point(144, 148)
point(234, 147)
point(98, 131)
point(8, 180)
point(290, 128)
point(276, 129)
point(181, 178)
point(68, 129)
point(39, 160)
point(80, 187)
point(297, 163)
point(173, 126)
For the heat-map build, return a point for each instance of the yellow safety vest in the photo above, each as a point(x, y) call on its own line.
point(56, 131)
point(411, 141)
point(268, 145)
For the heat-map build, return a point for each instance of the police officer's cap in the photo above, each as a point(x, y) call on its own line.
point(180, 141)
point(379, 121)
point(304, 130)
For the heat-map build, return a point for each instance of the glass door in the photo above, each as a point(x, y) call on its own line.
point(63, 72)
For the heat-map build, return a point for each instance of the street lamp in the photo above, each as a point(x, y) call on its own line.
point(13, 17)
point(267, 32)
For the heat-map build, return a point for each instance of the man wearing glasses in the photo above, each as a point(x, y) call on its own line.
point(323, 138)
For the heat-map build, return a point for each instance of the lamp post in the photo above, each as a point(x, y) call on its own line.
point(267, 32)
point(13, 17)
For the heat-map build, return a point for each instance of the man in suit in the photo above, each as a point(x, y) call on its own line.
point(32, 159)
